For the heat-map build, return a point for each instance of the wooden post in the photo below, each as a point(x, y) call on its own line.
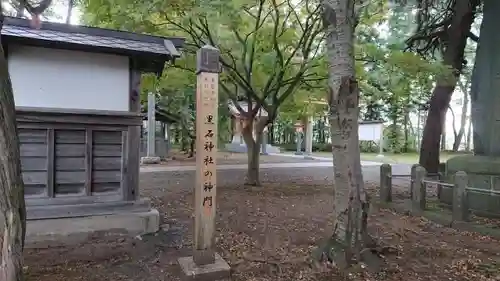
point(419, 191)
point(460, 206)
point(205, 263)
point(385, 183)
point(412, 178)
point(151, 138)
point(206, 154)
point(131, 191)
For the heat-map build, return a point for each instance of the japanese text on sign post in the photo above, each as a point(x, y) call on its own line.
point(208, 131)
point(206, 154)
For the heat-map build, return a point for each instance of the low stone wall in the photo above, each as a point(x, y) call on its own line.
point(484, 175)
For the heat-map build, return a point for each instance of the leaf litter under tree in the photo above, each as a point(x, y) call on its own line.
point(269, 233)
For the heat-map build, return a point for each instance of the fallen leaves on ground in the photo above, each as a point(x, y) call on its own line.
point(269, 233)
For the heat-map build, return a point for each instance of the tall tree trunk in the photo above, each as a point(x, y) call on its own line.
point(253, 149)
point(453, 56)
point(350, 199)
point(12, 205)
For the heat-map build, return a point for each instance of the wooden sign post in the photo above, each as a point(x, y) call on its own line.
point(205, 264)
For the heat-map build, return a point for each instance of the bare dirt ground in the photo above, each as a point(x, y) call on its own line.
point(267, 233)
point(227, 158)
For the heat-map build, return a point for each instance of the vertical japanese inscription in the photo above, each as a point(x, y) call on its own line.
point(209, 151)
point(206, 152)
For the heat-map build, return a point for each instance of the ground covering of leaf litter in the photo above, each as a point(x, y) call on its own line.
point(267, 233)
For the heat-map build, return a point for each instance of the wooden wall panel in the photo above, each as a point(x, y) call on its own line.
point(66, 158)
point(106, 164)
point(33, 149)
point(107, 137)
point(107, 150)
point(33, 164)
point(33, 146)
point(69, 162)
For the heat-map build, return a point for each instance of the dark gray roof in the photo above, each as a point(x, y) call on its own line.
point(122, 42)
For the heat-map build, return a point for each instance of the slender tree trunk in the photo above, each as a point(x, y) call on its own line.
point(192, 144)
point(406, 130)
point(453, 56)
point(443, 133)
point(253, 149)
point(20, 11)
point(469, 135)
point(12, 205)
point(463, 118)
point(350, 199)
point(271, 133)
point(69, 12)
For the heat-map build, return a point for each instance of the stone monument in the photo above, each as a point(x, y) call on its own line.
point(309, 137)
point(299, 129)
point(237, 143)
point(205, 264)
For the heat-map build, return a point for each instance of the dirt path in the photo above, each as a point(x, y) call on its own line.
point(266, 234)
point(227, 158)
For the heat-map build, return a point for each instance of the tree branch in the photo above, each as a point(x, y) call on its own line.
point(38, 9)
point(473, 37)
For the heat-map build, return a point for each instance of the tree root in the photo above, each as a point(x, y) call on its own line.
point(253, 184)
point(333, 252)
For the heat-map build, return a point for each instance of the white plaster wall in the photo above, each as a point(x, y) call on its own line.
point(43, 77)
point(370, 132)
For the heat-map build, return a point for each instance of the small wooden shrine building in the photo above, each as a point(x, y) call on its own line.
point(76, 91)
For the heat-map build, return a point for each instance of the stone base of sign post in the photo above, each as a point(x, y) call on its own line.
point(214, 271)
point(150, 160)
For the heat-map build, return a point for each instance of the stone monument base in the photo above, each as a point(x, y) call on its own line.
point(150, 160)
point(242, 148)
point(483, 172)
point(75, 229)
point(215, 271)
